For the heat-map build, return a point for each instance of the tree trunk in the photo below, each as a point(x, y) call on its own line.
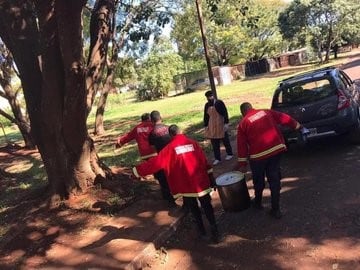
point(319, 53)
point(54, 88)
point(19, 119)
point(99, 118)
point(100, 33)
point(328, 44)
point(24, 130)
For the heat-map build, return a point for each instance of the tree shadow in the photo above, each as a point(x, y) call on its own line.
point(320, 201)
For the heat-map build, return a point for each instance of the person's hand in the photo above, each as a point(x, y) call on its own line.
point(131, 175)
point(212, 181)
point(242, 169)
point(236, 167)
point(298, 126)
point(118, 144)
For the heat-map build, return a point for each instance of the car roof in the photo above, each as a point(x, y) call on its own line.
point(319, 73)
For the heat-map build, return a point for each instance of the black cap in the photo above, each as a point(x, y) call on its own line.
point(208, 93)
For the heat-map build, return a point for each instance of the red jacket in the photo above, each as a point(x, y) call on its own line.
point(140, 133)
point(258, 135)
point(185, 166)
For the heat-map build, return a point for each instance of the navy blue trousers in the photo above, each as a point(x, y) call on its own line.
point(164, 186)
point(216, 146)
point(192, 204)
point(269, 167)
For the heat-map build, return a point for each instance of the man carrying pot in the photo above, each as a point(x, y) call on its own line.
point(260, 140)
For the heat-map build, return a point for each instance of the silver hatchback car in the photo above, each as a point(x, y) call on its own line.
point(325, 101)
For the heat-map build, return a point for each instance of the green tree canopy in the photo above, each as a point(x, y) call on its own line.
point(236, 30)
point(158, 70)
point(322, 23)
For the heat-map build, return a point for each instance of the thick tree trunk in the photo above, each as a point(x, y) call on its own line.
point(54, 88)
point(100, 33)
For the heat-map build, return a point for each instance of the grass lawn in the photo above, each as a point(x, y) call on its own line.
point(186, 110)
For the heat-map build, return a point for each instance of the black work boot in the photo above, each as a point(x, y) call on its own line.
point(201, 234)
point(256, 204)
point(200, 229)
point(215, 238)
point(276, 213)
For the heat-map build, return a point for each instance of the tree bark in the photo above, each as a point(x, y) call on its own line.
point(109, 81)
point(11, 96)
point(53, 80)
point(99, 117)
point(328, 43)
point(100, 33)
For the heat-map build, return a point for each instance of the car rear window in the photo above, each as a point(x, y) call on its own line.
point(305, 92)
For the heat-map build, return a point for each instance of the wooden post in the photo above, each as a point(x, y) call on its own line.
point(203, 36)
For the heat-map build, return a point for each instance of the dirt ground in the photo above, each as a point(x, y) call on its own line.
point(320, 228)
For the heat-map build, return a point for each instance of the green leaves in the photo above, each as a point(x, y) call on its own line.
point(235, 29)
point(322, 22)
point(158, 70)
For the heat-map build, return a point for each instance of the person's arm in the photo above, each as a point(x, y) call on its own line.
point(151, 139)
point(285, 120)
point(126, 138)
point(221, 109)
point(242, 148)
point(203, 160)
point(152, 165)
point(206, 116)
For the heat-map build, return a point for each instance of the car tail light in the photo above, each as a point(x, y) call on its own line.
point(343, 101)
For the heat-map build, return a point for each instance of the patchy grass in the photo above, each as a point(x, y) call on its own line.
point(4, 228)
point(186, 110)
point(115, 199)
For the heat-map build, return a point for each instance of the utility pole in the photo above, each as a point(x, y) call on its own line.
point(211, 76)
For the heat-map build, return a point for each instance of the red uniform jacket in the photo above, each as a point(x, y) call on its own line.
point(140, 133)
point(185, 166)
point(258, 135)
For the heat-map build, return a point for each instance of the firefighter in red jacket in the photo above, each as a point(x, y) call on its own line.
point(260, 140)
point(140, 134)
point(189, 176)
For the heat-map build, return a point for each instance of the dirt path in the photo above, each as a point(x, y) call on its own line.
point(320, 228)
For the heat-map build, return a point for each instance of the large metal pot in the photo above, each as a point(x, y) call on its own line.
point(233, 191)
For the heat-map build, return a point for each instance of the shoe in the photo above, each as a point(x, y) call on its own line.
point(171, 204)
point(184, 208)
point(215, 238)
point(276, 213)
point(201, 236)
point(216, 162)
point(256, 205)
point(228, 157)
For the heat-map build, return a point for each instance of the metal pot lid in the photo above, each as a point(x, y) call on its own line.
point(229, 178)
